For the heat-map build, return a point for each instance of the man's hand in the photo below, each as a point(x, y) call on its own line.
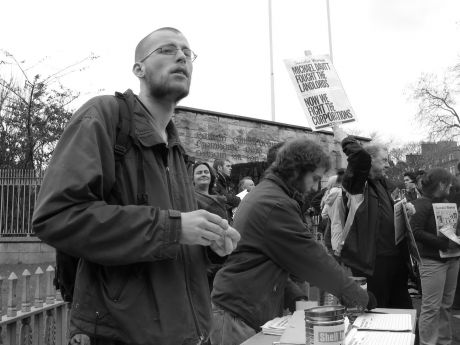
point(410, 209)
point(80, 339)
point(339, 133)
point(201, 228)
point(226, 244)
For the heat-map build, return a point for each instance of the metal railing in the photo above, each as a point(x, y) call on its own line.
point(39, 320)
point(18, 194)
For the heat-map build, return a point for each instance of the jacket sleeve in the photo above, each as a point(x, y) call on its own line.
point(297, 252)
point(418, 223)
point(71, 212)
point(359, 165)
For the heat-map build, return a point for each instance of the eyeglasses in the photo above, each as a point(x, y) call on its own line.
point(172, 50)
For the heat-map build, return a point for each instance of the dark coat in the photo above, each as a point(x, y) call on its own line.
point(423, 226)
point(135, 282)
point(225, 188)
point(275, 244)
point(359, 249)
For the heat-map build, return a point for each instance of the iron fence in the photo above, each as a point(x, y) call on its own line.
point(18, 194)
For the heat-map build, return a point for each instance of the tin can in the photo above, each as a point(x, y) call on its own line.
point(325, 325)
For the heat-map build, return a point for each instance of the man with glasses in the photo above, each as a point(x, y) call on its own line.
point(132, 221)
point(369, 246)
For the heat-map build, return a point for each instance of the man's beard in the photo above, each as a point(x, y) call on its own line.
point(161, 92)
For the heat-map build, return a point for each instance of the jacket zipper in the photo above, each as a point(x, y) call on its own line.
point(186, 273)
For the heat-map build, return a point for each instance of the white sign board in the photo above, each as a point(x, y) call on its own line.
point(320, 91)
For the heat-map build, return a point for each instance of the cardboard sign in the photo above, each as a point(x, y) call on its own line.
point(320, 91)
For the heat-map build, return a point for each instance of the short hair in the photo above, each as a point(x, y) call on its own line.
point(431, 180)
point(411, 175)
point(240, 184)
point(143, 43)
point(219, 163)
point(211, 172)
point(296, 158)
point(374, 149)
point(272, 151)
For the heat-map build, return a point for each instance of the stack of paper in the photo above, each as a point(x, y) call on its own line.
point(381, 329)
point(384, 322)
point(276, 326)
point(359, 337)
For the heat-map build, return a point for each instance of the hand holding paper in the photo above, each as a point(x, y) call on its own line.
point(449, 232)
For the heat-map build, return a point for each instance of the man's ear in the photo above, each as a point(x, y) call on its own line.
point(139, 69)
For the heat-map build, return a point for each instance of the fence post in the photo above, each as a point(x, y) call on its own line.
point(38, 301)
point(25, 305)
point(11, 310)
point(49, 276)
point(1, 301)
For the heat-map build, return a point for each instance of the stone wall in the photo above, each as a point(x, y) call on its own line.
point(25, 250)
point(208, 135)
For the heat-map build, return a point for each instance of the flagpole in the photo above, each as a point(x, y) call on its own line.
point(329, 30)
point(272, 76)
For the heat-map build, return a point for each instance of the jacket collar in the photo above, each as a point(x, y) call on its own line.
point(145, 133)
point(291, 192)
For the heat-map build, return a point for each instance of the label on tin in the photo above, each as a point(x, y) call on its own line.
point(330, 335)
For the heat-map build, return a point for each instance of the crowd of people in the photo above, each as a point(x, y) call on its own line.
point(171, 252)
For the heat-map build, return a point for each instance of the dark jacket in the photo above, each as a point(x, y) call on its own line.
point(423, 226)
point(224, 188)
point(360, 246)
point(274, 243)
point(213, 204)
point(135, 282)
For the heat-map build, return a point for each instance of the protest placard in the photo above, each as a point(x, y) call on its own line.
point(446, 217)
point(412, 245)
point(320, 91)
point(399, 222)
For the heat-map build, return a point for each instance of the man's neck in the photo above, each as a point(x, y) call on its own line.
point(161, 112)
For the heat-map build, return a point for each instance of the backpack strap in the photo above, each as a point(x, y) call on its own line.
point(125, 139)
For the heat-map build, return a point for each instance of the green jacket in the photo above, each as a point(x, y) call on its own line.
point(135, 282)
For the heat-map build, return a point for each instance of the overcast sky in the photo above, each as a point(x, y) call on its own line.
point(380, 47)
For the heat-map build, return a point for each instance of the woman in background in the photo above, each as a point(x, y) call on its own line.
point(203, 180)
point(438, 275)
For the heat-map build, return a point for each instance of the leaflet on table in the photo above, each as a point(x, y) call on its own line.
point(359, 337)
point(276, 326)
point(384, 322)
point(446, 217)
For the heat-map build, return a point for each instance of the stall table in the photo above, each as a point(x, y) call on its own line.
point(267, 339)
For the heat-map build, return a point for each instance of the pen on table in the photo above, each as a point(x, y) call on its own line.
point(375, 312)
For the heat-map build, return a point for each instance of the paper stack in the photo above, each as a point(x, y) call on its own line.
point(381, 329)
point(276, 326)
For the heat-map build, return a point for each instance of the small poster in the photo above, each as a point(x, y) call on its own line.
point(320, 91)
point(412, 244)
point(446, 216)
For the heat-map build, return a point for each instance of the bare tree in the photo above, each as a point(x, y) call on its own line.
point(33, 113)
point(437, 105)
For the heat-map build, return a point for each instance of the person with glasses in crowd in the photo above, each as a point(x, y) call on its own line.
point(134, 224)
